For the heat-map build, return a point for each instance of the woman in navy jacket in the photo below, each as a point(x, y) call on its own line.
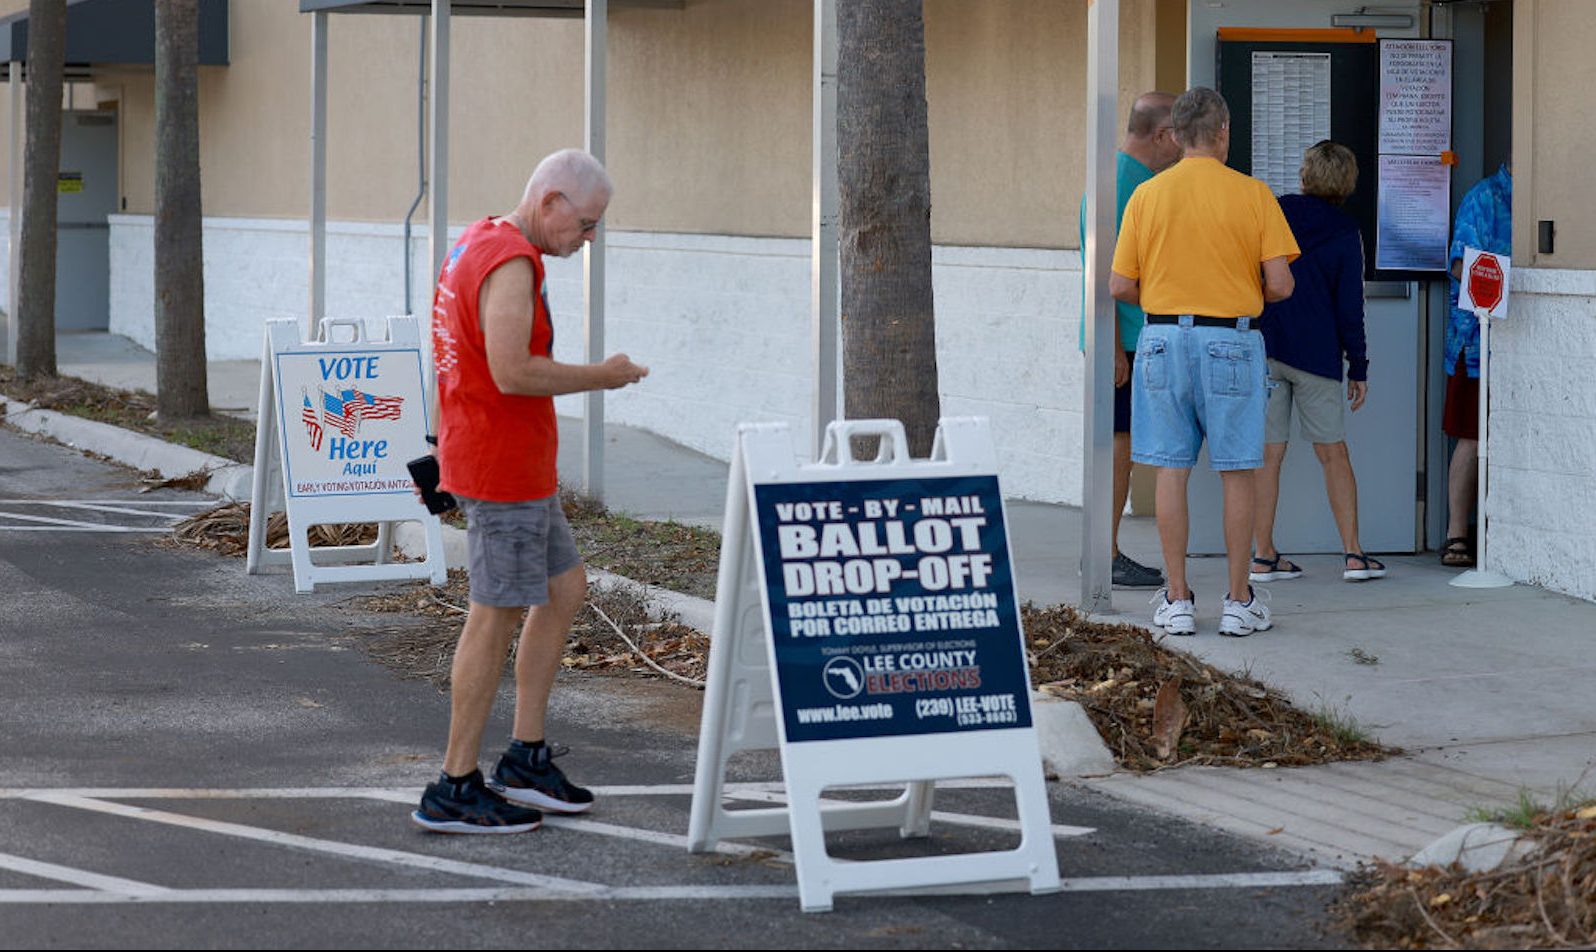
point(1307, 337)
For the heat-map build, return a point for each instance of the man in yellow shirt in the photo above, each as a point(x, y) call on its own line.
point(1201, 248)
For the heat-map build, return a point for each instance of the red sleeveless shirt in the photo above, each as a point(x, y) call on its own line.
point(491, 445)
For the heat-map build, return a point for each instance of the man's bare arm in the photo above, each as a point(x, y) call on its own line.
point(1277, 280)
point(1124, 289)
point(505, 306)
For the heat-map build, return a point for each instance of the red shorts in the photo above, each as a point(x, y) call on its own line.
point(1460, 415)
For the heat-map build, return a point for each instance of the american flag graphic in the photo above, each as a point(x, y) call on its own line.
point(346, 409)
point(313, 428)
point(335, 413)
point(374, 408)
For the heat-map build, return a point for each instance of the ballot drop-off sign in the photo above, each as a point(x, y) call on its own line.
point(892, 607)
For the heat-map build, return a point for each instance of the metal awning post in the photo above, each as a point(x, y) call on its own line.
point(823, 300)
point(594, 39)
point(1102, 114)
point(14, 186)
point(318, 175)
point(438, 123)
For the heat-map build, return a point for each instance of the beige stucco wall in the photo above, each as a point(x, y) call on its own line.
point(709, 114)
point(1552, 143)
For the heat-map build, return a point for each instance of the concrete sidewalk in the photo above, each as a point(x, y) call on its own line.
point(1489, 691)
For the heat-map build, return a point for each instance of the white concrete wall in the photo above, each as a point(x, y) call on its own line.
point(1543, 432)
point(722, 322)
point(257, 269)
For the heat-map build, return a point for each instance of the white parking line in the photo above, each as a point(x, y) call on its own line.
point(1312, 877)
point(518, 885)
point(584, 825)
point(191, 503)
point(78, 877)
point(501, 894)
point(71, 525)
point(102, 507)
point(170, 510)
point(345, 850)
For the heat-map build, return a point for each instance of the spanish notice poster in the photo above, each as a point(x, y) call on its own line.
point(892, 607)
point(1412, 233)
point(1415, 97)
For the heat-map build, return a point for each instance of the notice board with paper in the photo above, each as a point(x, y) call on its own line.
point(1287, 89)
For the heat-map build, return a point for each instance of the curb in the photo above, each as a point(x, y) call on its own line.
point(227, 479)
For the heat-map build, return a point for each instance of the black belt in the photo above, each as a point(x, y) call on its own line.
point(1202, 321)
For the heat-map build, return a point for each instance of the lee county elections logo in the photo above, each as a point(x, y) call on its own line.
point(843, 677)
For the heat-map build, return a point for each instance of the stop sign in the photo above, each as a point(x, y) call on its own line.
point(1485, 281)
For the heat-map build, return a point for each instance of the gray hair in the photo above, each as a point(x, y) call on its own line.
point(571, 171)
point(1199, 115)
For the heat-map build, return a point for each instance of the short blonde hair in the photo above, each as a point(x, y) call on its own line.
point(1329, 171)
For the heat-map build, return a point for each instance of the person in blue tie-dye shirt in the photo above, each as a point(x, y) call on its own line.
point(1484, 221)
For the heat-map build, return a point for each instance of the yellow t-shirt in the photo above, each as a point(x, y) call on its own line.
point(1195, 237)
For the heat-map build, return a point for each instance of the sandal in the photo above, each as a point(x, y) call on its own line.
point(1274, 569)
point(1456, 553)
point(1370, 567)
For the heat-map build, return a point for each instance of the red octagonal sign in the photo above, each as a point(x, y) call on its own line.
point(1485, 281)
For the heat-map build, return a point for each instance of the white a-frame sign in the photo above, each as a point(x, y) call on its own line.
point(866, 623)
point(339, 418)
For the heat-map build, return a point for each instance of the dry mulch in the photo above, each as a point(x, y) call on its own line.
point(424, 648)
point(1545, 901)
point(225, 529)
point(1156, 707)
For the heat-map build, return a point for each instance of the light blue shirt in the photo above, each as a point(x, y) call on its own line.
point(1484, 221)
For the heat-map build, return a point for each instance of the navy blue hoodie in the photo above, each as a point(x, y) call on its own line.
point(1323, 318)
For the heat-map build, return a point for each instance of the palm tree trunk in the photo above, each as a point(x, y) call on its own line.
point(179, 255)
point(884, 217)
point(34, 322)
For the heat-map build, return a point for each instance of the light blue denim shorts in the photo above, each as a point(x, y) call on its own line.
point(1192, 382)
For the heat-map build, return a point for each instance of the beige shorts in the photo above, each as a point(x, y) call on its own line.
point(1321, 412)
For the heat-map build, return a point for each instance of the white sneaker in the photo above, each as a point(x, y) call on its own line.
point(1178, 617)
point(1240, 619)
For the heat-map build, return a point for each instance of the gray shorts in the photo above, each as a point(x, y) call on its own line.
point(1321, 414)
point(514, 548)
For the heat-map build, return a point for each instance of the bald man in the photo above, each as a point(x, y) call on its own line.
point(493, 345)
point(1149, 147)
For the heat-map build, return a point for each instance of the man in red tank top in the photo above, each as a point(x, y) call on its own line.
point(497, 440)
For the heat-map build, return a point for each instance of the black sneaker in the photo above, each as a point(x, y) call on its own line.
point(528, 775)
point(468, 806)
point(1128, 573)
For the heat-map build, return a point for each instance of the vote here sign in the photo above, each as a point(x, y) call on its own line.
point(892, 607)
point(350, 420)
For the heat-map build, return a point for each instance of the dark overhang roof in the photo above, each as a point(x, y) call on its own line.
point(491, 8)
point(117, 33)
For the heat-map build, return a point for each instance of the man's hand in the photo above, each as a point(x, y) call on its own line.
point(619, 371)
point(1121, 368)
point(1356, 391)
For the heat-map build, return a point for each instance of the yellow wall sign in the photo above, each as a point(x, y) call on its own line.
point(66, 182)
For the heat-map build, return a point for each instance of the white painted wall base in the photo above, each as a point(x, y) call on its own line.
point(1543, 432)
point(721, 321)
